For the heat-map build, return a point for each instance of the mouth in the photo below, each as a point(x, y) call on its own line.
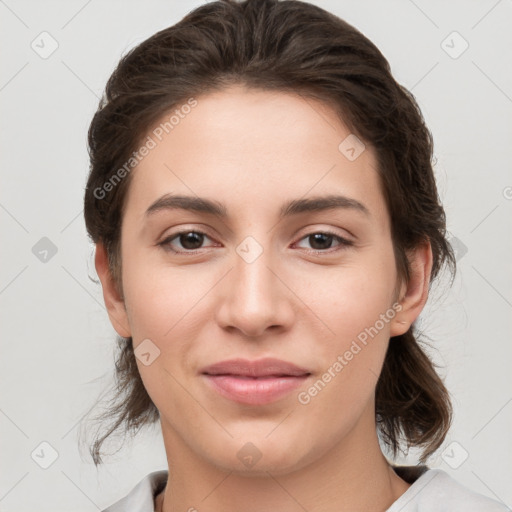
point(254, 382)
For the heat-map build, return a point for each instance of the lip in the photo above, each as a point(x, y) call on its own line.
point(254, 382)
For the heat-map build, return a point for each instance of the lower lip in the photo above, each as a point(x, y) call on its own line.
point(260, 391)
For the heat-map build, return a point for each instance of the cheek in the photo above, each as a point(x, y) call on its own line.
point(167, 306)
point(355, 302)
point(350, 298)
point(359, 314)
point(161, 300)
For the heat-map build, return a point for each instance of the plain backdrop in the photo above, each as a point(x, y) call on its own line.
point(57, 342)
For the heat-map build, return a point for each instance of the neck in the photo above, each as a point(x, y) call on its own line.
point(354, 475)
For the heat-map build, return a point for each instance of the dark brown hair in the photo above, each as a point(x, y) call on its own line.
point(294, 47)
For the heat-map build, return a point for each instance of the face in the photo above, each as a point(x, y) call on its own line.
point(294, 262)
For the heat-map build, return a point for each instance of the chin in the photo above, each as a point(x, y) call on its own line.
point(261, 456)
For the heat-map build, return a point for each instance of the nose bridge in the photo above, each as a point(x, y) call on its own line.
point(252, 275)
point(255, 285)
point(256, 299)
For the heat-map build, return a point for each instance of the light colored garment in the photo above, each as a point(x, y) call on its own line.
point(432, 490)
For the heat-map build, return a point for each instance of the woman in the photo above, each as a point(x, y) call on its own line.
point(267, 228)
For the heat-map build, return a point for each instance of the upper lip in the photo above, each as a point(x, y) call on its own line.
point(259, 368)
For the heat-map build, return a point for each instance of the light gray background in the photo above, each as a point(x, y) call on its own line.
point(57, 342)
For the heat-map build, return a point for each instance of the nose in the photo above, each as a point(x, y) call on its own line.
point(255, 297)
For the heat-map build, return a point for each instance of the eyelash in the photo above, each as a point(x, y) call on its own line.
point(343, 242)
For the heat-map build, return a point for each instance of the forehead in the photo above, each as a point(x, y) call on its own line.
point(250, 148)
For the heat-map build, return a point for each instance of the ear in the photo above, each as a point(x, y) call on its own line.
point(414, 294)
point(113, 302)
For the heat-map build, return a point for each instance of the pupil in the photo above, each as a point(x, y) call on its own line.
point(194, 240)
point(189, 240)
point(318, 237)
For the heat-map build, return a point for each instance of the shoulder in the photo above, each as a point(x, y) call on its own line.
point(435, 490)
point(141, 497)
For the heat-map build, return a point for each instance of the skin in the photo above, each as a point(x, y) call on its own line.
point(254, 150)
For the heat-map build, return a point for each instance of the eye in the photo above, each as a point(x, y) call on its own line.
point(321, 241)
point(189, 241)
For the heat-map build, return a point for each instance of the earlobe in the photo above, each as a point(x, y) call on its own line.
point(113, 302)
point(415, 293)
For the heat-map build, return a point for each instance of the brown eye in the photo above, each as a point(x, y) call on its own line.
point(191, 240)
point(322, 241)
point(184, 241)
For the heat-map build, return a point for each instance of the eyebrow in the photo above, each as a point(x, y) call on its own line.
point(294, 207)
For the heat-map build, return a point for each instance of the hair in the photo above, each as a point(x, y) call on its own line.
point(293, 47)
